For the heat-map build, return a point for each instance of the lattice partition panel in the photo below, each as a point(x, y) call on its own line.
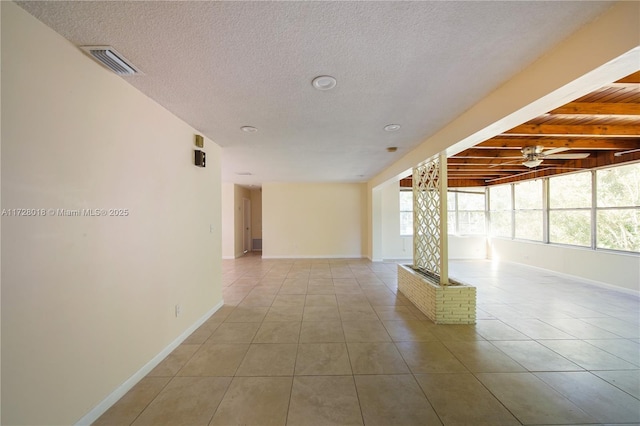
point(430, 218)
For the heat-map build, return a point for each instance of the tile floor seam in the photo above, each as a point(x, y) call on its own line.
point(353, 379)
point(427, 398)
point(149, 403)
point(613, 384)
point(218, 406)
point(610, 353)
point(496, 397)
point(585, 368)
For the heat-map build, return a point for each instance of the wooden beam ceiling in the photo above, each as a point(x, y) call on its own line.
point(598, 108)
point(576, 130)
point(574, 143)
point(600, 124)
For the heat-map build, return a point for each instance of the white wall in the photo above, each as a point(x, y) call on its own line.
point(88, 301)
point(609, 268)
point(313, 220)
point(228, 221)
point(467, 247)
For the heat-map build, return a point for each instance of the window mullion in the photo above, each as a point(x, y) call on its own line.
point(545, 211)
point(594, 215)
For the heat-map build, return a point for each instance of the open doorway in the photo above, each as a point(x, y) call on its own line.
point(246, 225)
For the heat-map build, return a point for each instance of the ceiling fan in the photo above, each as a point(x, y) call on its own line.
point(535, 154)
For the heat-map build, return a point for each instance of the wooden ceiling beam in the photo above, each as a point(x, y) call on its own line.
point(481, 162)
point(460, 169)
point(574, 143)
point(465, 183)
point(631, 78)
point(491, 171)
point(567, 130)
point(489, 153)
point(595, 108)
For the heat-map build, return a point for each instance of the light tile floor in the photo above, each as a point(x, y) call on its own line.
point(323, 342)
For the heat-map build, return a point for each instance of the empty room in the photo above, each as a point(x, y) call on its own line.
point(320, 212)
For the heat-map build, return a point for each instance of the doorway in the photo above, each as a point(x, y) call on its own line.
point(246, 225)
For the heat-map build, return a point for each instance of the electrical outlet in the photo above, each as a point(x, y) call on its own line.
point(178, 310)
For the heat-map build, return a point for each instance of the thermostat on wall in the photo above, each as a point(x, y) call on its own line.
point(200, 158)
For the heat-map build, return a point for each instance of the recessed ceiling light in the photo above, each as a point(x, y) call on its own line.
point(324, 82)
point(392, 149)
point(391, 127)
point(248, 129)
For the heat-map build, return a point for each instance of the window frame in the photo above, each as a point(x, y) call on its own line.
point(546, 210)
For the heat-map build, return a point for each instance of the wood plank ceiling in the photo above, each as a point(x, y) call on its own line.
point(605, 124)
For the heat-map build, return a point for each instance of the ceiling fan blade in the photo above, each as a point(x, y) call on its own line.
point(554, 151)
point(566, 156)
point(519, 160)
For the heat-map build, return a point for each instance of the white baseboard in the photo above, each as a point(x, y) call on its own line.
point(577, 278)
point(300, 256)
point(119, 392)
point(398, 260)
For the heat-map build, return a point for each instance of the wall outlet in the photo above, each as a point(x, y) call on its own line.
point(178, 310)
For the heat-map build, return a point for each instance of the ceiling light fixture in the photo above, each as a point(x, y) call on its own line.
point(248, 129)
point(391, 127)
point(532, 162)
point(324, 82)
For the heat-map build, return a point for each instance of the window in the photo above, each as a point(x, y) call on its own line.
point(559, 209)
point(470, 211)
point(570, 209)
point(465, 211)
point(500, 212)
point(528, 210)
point(618, 208)
point(406, 212)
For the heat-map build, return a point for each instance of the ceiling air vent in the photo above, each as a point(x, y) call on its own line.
point(111, 59)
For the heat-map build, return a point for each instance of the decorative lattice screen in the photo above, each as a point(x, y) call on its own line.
point(430, 217)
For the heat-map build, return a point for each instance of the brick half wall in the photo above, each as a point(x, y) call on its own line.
point(450, 304)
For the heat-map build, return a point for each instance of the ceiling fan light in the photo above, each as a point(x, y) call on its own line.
point(532, 163)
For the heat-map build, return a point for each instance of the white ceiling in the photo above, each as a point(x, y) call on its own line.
point(223, 65)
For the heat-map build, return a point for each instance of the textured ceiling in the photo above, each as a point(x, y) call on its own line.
point(223, 65)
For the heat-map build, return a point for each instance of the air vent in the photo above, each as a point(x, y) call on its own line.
point(111, 59)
